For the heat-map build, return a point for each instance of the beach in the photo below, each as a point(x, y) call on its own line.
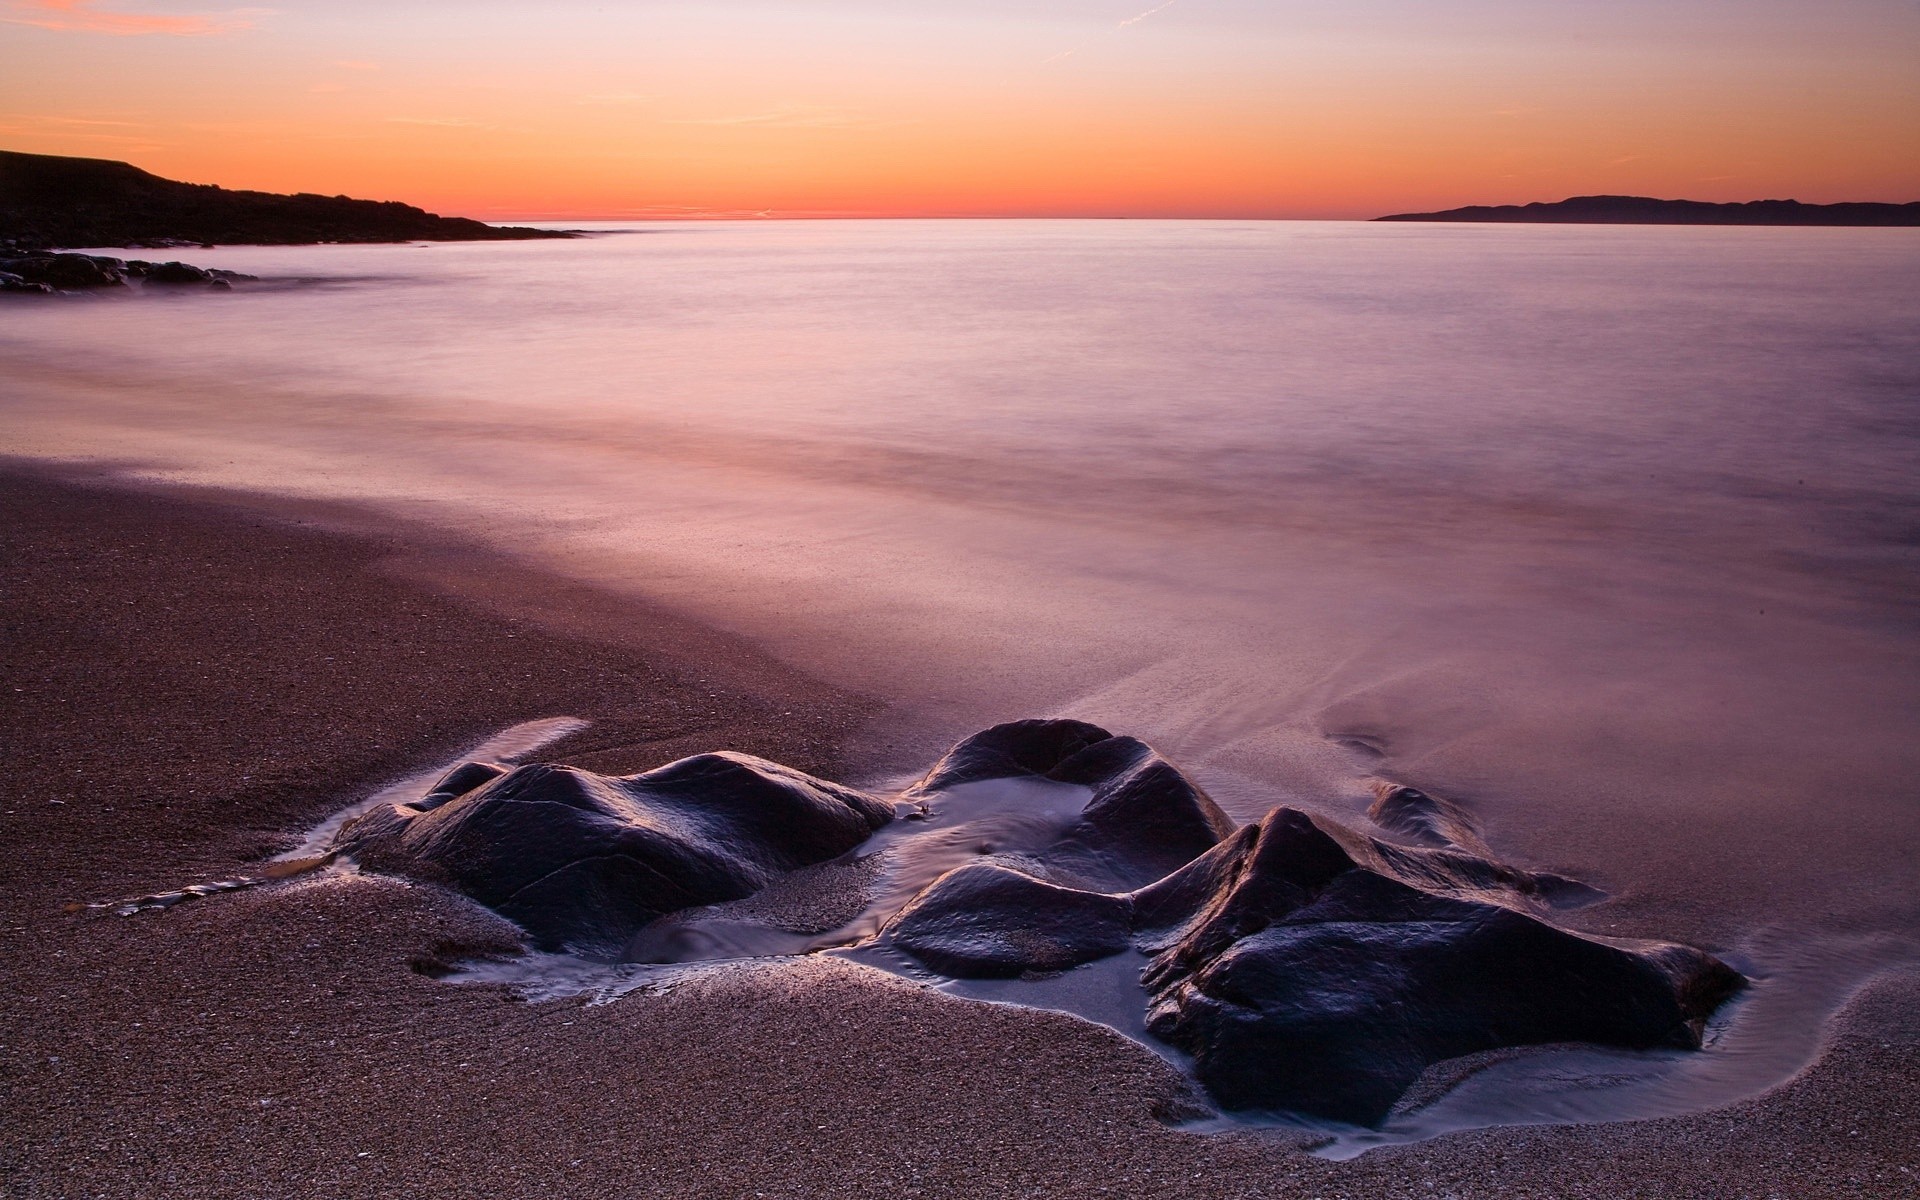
point(934, 599)
point(196, 676)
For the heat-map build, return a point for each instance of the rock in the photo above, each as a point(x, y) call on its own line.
point(1425, 819)
point(10, 282)
point(177, 273)
point(67, 271)
point(1144, 819)
point(583, 861)
point(1017, 748)
point(1307, 978)
point(989, 922)
point(1444, 826)
point(45, 271)
point(1305, 966)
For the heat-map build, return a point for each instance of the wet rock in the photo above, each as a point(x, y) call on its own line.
point(582, 861)
point(1426, 819)
point(1033, 747)
point(1305, 966)
point(185, 274)
point(1145, 818)
point(177, 273)
point(989, 922)
point(1306, 977)
point(67, 271)
point(46, 271)
point(10, 282)
point(1456, 856)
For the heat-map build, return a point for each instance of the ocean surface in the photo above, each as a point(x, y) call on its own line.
point(1612, 533)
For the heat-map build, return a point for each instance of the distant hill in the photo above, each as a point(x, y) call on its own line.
point(48, 200)
point(1643, 210)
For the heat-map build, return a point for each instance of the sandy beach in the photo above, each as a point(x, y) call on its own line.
point(193, 680)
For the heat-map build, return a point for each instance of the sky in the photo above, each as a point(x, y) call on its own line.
point(1142, 108)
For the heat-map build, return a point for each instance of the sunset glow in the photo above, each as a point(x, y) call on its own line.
point(937, 107)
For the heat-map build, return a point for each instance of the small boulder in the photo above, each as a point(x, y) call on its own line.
point(67, 271)
point(1144, 819)
point(988, 922)
point(12, 283)
point(1312, 979)
point(583, 861)
point(177, 273)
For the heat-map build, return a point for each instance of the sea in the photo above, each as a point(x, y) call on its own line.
point(1611, 533)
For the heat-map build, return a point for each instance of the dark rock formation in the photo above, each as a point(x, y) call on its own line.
point(1144, 819)
point(1444, 827)
point(1304, 965)
point(1643, 210)
point(1016, 748)
point(988, 922)
point(177, 272)
point(49, 200)
point(10, 282)
point(62, 272)
point(1315, 974)
point(1426, 819)
point(583, 861)
point(44, 271)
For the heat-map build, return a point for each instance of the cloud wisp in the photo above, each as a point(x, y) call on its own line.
point(1139, 17)
point(1123, 23)
point(86, 16)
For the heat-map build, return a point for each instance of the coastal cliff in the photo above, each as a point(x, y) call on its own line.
point(49, 201)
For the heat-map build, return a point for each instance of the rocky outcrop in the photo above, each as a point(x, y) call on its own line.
point(1307, 969)
point(45, 272)
point(1304, 964)
point(50, 201)
point(584, 861)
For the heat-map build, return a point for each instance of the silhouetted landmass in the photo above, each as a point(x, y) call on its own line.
point(1644, 210)
point(49, 200)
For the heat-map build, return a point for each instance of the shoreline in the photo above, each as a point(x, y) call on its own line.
point(285, 1042)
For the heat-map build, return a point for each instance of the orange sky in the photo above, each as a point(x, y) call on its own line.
point(1283, 108)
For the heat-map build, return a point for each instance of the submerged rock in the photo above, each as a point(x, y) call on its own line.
point(1304, 965)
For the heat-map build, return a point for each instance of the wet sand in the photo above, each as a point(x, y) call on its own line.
point(190, 683)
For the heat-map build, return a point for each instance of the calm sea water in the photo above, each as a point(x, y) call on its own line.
point(1612, 532)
